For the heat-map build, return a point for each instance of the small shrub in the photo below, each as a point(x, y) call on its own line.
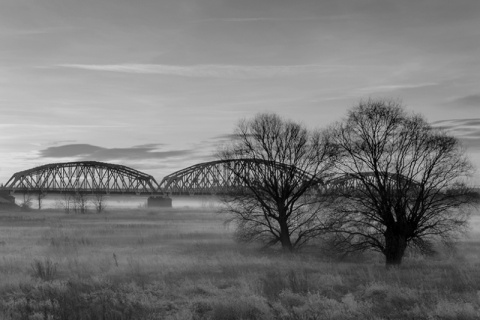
point(290, 300)
point(275, 282)
point(242, 308)
point(272, 284)
point(386, 297)
point(298, 281)
point(456, 310)
point(45, 270)
point(201, 309)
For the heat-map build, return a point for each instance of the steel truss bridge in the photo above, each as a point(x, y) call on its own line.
point(224, 176)
point(209, 178)
point(82, 177)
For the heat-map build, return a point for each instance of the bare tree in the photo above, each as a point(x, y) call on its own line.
point(80, 203)
point(26, 204)
point(99, 202)
point(279, 205)
point(65, 203)
point(404, 182)
point(40, 196)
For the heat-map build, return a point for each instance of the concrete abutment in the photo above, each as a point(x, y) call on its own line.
point(159, 201)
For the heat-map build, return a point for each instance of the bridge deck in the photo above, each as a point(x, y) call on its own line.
point(83, 191)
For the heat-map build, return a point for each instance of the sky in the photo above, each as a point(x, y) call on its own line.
point(158, 85)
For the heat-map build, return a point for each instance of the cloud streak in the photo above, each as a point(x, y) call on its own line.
point(470, 101)
point(91, 152)
point(209, 71)
point(393, 87)
point(32, 32)
point(467, 130)
point(61, 126)
point(258, 19)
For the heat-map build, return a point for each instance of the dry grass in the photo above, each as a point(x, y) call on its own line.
point(183, 264)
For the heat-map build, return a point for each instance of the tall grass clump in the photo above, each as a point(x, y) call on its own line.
point(274, 282)
point(45, 270)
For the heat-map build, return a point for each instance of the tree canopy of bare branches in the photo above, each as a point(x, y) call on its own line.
point(278, 206)
point(409, 181)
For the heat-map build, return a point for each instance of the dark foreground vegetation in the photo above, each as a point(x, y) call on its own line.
point(184, 264)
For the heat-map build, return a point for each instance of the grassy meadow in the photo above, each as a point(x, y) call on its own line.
point(183, 264)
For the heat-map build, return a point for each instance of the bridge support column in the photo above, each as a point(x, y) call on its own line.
point(159, 201)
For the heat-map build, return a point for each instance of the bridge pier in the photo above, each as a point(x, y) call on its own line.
point(159, 201)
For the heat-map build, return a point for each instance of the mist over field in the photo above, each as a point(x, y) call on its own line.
point(55, 201)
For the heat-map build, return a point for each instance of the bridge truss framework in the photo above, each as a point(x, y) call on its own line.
point(209, 178)
point(222, 176)
point(82, 177)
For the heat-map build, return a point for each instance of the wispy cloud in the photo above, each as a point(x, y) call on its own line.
point(209, 71)
point(467, 130)
point(225, 136)
point(470, 101)
point(43, 126)
point(452, 123)
point(91, 152)
point(393, 87)
point(33, 32)
point(149, 145)
point(255, 19)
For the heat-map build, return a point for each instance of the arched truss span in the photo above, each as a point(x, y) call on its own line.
point(357, 181)
point(82, 177)
point(218, 177)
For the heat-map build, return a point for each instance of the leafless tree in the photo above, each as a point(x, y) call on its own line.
point(77, 203)
point(404, 183)
point(65, 203)
point(40, 196)
point(99, 202)
point(279, 205)
point(27, 202)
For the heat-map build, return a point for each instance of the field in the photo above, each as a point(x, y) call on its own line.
point(184, 264)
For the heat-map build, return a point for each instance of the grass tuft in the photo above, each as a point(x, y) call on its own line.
point(45, 270)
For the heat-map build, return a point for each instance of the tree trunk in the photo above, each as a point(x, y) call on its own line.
point(395, 245)
point(285, 236)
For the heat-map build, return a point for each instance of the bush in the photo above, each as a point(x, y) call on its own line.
point(275, 282)
point(242, 308)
